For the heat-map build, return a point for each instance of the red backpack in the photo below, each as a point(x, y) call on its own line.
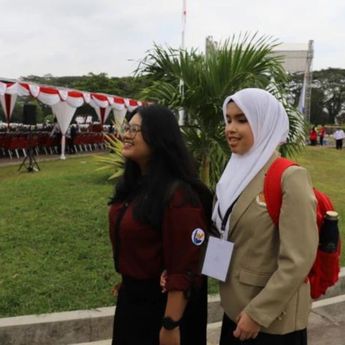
point(325, 270)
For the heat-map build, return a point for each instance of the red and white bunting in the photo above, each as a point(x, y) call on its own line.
point(75, 99)
point(63, 94)
point(3, 87)
point(53, 96)
point(131, 103)
point(27, 89)
point(99, 100)
point(49, 95)
point(119, 103)
point(87, 97)
point(8, 102)
point(12, 89)
point(119, 109)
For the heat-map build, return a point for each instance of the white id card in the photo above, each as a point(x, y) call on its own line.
point(217, 258)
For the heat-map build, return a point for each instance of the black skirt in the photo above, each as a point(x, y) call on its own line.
point(293, 338)
point(140, 309)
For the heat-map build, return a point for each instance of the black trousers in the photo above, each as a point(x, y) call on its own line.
point(339, 144)
point(227, 337)
point(140, 309)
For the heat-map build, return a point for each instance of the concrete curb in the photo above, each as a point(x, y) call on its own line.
point(95, 325)
point(57, 328)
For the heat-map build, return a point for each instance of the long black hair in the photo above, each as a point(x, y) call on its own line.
point(170, 165)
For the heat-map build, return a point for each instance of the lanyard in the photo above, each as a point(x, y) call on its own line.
point(225, 220)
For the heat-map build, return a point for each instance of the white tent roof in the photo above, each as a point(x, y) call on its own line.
point(63, 101)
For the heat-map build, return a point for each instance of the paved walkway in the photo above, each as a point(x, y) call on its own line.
point(213, 331)
point(320, 332)
point(326, 324)
point(330, 335)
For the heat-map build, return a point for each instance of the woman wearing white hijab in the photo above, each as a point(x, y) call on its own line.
point(265, 297)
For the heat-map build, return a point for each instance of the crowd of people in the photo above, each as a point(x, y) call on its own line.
point(162, 222)
point(318, 135)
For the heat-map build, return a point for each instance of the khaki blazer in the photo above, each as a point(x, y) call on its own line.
point(268, 267)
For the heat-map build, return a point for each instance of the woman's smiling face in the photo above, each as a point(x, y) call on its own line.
point(238, 133)
point(135, 147)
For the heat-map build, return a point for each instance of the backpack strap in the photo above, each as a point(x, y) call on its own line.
point(272, 187)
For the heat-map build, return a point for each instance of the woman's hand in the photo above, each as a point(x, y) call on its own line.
point(246, 328)
point(169, 337)
point(176, 304)
point(163, 281)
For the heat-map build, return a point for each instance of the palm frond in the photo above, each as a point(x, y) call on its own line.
point(114, 160)
point(244, 60)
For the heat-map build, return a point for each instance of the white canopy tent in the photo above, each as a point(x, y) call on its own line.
point(64, 103)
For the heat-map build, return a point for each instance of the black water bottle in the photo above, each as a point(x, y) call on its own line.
point(329, 234)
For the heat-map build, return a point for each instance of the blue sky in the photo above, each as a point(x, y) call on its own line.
point(75, 37)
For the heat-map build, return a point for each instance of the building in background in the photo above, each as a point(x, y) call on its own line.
point(297, 58)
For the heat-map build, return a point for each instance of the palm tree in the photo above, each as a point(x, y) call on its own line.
point(240, 62)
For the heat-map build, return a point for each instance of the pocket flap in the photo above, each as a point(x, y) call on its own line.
point(254, 278)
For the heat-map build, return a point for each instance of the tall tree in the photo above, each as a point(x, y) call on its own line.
point(328, 95)
point(318, 112)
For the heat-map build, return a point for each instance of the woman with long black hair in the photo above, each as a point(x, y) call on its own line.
point(158, 222)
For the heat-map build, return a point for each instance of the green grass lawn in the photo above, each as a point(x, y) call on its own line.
point(55, 253)
point(327, 167)
point(54, 249)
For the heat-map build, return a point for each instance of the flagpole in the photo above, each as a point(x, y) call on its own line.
point(184, 20)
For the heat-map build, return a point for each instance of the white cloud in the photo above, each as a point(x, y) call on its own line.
point(74, 37)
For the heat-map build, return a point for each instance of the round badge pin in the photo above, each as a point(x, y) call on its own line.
point(198, 236)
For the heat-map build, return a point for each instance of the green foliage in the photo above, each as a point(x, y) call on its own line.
point(327, 94)
point(324, 165)
point(199, 84)
point(49, 118)
point(318, 115)
point(332, 83)
point(114, 160)
point(102, 83)
point(341, 118)
point(55, 249)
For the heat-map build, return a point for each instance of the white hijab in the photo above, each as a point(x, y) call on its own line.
point(270, 126)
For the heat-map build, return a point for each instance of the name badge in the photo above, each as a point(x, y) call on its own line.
point(217, 258)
